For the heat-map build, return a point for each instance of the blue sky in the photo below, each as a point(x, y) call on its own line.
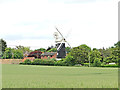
point(32, 22)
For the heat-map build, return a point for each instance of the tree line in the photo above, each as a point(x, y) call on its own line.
point(82, 54)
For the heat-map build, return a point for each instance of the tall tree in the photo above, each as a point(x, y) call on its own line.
point(95, 54)
point(3, 46)
point(80, 53)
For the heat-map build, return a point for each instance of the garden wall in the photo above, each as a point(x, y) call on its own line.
point(10, 61)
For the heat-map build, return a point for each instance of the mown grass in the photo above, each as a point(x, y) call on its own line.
point(28, 76)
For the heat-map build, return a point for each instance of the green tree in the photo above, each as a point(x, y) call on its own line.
point(95, 54)
point(25, 50)
point(7, 53)
point(17, 54)
point(69, 60)
point(97, 62)
point(68, 49)
point(80, 53)
point(52, 50)
point(3, 46)
point(41, 49)
point(116, 49)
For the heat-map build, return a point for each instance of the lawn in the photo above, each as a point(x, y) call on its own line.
point(32, 76)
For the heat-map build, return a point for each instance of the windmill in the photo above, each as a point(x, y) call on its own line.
point(60, 44)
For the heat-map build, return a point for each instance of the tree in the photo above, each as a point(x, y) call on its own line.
point(3, 46)
point(80, 53)
point(95, 54)
point(116, 50)
point(52, 50)
point(7, 53)
point(97, 62)
point(69, 60)
point(117, 44)
point(50, 47)
point(17, 54)
point(68, 49)
point(25, 50)
point(41, 49)
point(13, 54)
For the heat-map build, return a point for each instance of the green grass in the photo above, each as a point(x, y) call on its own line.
point(32, 76)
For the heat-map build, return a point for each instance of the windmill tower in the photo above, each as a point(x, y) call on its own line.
point(60, 44)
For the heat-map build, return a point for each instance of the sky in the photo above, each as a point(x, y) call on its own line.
point(32, 22)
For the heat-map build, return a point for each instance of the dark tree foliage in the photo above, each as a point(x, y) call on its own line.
point(3, 46)
point(41, 49)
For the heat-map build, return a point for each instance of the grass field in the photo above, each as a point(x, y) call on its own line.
point(28, 76)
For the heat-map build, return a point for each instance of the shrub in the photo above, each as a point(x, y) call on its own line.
point(43, 62)
point(27, 61)
point(21, 62)
point(60, 63)
point(86, 64)
point(36, 62)
point(53, 59)
point(55, 63)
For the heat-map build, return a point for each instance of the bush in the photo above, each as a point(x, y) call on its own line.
point(68, 61)
point(43, 62)
point(27, 61)
point(36, 62)
point(96, 63)
point(86, 64)
point(59, 63)
point(55, 63)
point(104, 63)
point(21, 62)
point(114, 65)
point(53, 59)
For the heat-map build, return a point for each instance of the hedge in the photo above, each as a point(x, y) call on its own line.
point(114, 65)
point(43, 62)
point(57, 63)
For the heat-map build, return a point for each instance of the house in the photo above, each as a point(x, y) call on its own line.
point(32, 55)
point(49, 55)
point(36, 54)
